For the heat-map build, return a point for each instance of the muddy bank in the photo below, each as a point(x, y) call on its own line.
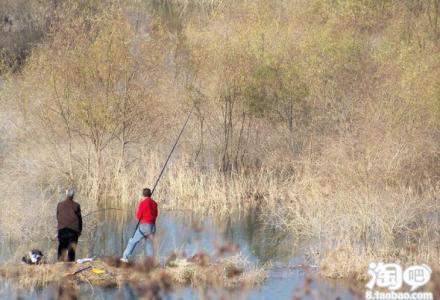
point(201, 270)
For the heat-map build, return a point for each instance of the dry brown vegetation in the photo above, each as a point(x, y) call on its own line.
point(323, 114)
point(230, 272)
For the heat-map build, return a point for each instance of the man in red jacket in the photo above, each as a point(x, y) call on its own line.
point(146, 214)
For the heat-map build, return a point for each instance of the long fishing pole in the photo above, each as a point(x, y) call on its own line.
point(166, 162)
point(102, 210)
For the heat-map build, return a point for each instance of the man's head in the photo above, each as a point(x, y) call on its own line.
point(146, 192)
point(70, 193)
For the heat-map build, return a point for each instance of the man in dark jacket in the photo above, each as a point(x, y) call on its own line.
point(69, 227)
point(146, 215)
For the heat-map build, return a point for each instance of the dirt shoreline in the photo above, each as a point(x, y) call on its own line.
point(231, 272)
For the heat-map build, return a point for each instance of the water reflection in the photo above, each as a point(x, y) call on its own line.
point(189, 232)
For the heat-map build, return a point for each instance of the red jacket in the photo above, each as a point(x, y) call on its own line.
point(147, 211)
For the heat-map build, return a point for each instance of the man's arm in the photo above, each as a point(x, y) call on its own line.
point(80, 222)
point(155, 210)
point(140, 212)
point(58, 212)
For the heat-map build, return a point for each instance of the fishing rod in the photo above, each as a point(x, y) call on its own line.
point(102, 210)
point(166, 161)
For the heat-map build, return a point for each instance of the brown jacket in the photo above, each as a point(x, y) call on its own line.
point(69, 215)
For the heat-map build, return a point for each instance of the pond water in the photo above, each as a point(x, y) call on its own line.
point(189, 233)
